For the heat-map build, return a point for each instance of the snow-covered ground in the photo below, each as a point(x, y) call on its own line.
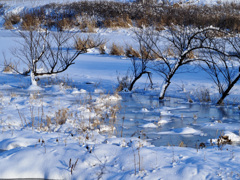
point(66, 128)
point(33, 147)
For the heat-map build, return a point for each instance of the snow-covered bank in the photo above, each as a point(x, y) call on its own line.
point(31, 154)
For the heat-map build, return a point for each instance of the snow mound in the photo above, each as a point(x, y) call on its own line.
point(184, 131)
point(162, 121)
point(233, 137)
point(144, 110)
point(34, 88)
point(81, 91)
point(149, 125)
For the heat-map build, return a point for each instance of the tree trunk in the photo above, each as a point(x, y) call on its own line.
point(33, 80)
point(138, 77)
point(164, 89)
point(167, 81)
point(226, 92)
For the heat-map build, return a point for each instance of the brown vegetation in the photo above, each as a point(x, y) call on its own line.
point(11, 20)
point(117, 50)
point(30, 22)
point(88, 15)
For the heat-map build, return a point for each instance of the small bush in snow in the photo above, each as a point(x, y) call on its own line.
point(117, 50)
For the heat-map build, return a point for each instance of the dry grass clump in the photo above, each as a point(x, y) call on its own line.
point(102, 49)
point(118, 22)
point(91, 27)
point(117, 50)
point(11, 20)
point(83, 44)
point(143, 22)
point(8, 68)
point(8, 24)
point(30, 22)
point(159, 26)
point(86, 23)
point(132, 53)
point(64, 24)
point(61, 116)
point(147, 54)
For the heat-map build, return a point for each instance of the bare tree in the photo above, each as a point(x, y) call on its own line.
point(46, 53)
point(223, 65)
point(174, 48)
point(139, 65)
point(139, 60)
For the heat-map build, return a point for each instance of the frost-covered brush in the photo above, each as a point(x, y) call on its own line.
point(203, 95)
point(72, 165)
point(52, 52)
point(61, 116)
point(223, 65)
point(183, 41)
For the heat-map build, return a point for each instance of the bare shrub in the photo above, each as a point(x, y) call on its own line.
point(117, 50)
point(36, 50)
point(123, 83)
point(176, 5)
point(203, 95)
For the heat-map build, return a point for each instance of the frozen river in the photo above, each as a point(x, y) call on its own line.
point(174, 120)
